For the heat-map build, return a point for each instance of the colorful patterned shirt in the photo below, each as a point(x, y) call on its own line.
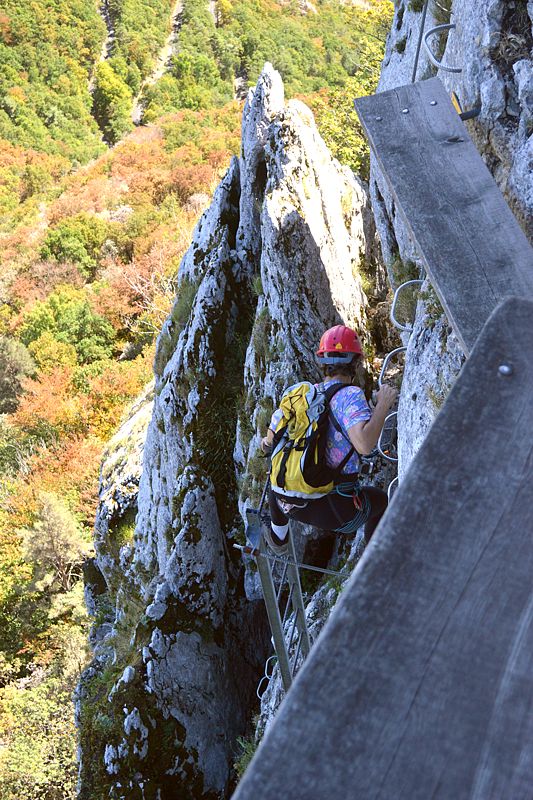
point(349, 407)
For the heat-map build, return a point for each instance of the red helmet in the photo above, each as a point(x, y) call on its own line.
point(338, 345)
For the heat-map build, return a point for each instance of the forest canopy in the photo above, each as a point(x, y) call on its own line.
point(95, 217)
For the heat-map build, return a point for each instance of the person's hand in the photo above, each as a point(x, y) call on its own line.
point(266, 447)
point(386, 396)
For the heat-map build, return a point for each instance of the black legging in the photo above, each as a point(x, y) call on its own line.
point(333, 511)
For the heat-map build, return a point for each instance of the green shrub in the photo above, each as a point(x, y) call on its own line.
point(16, 364)
point(76, 239)
point(68, 317)
point(400, 44)
point(47, 50)
point(112, 103)
point(402, 271)
point(40, 757)
point(248, 748)
point(434, 309)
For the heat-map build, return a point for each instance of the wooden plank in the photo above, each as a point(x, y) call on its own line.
point(420, 685)
point(474, 250)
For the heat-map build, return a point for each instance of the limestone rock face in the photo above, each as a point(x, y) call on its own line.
point(180, 649)
point(492, 43)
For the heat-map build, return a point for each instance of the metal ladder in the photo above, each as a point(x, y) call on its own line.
point(285, 610)
point(282, 593)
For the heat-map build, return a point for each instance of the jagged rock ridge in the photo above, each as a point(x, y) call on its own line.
point(179, 647)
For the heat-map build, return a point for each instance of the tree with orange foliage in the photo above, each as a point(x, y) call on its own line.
point(50, 407)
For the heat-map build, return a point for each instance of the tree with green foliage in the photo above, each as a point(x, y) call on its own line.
point(112, 103)
point(16, 364)
point(67, 315)
point(37, 729)
point(39, 757)
point(47, 50)
point(77, 239)
point(55, 547)
point(312, 51)
point(49, 352)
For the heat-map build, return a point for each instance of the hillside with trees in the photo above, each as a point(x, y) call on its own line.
point(91, 240)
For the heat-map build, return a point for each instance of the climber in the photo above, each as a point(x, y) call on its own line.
point(352, 429)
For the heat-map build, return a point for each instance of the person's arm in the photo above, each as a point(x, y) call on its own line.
point(268, 440)
point(364, 436)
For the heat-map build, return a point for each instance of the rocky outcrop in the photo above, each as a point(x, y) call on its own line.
point(492, 43)
point(179, 646)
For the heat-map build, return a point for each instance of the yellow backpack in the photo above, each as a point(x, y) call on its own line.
point(298, 462)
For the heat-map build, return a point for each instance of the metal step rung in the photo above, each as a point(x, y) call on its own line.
point(449, 26)
point(399, 290)
point(386, 361)
point(380, 444)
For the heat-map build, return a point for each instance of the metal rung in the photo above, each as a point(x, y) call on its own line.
point(400, 288)
point(293, 628)
point(282, 581)
point(298, 600)
point(388, 357)
point(449, 26)
point(253, 551)
point(380, 445)
point(267, 676)
point(288, 605)
point(390, 491)
point(297, 633)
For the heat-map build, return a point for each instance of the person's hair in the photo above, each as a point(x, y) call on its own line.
point(348, 370)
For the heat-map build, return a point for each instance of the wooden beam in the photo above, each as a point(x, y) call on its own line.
point(420, 686)
point(473, 249)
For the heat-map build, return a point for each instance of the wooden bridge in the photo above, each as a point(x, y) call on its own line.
point(421, 683)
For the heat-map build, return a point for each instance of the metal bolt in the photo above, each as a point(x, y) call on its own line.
point(405, 110)
point(378, 119)
point(505, 369)
point(433, 103)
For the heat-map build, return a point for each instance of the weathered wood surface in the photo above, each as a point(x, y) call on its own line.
point(474, 250)
point(421, 684)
